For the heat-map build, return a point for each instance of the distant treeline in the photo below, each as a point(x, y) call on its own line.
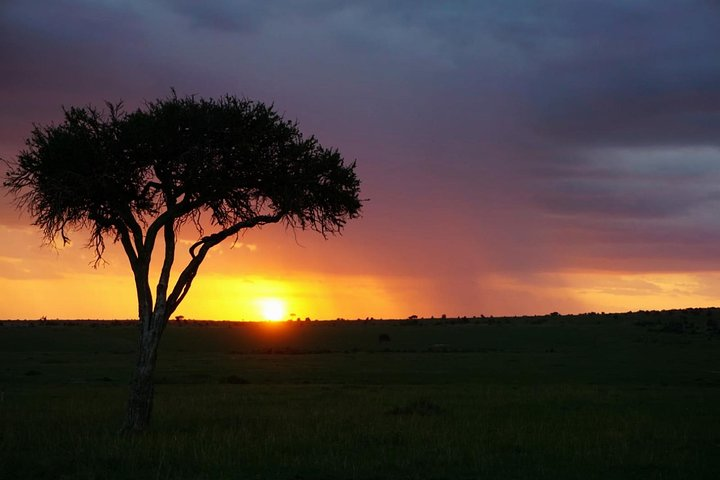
point(675, 317)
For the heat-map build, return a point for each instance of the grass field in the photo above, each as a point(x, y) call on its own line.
point(633, 396)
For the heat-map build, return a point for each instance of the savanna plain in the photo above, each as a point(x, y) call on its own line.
point(628, 396)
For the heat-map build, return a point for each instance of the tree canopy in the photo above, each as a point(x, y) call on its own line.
point(237, 159)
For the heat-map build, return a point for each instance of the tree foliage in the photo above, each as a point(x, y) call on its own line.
point(174, 160)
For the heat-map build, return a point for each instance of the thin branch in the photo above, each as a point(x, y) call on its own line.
point(168, 216)
point(131, 224)
point(148, 186)
point(218, 237)
point(127, 245)
point(164, 280)
point(184, 281)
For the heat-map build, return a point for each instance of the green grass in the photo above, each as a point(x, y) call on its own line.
point(593, 397)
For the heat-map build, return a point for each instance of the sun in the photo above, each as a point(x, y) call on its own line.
point(272, 309)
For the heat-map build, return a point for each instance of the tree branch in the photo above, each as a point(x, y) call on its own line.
point(127, 244)
point(164, 280)
point(184, 281)
point(148, 186)
point(132, 225)
point(218, 237)
point(174, 211)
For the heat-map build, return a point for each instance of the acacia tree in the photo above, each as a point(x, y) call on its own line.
point(222, 166)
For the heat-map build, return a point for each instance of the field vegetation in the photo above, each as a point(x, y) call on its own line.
point(592, 396)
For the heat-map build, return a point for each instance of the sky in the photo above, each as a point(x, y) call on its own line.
point(518, 157)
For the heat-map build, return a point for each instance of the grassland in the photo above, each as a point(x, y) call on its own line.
point(633, 396)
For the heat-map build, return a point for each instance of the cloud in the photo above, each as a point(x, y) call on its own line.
point(11, 260)
point(647, 82)
point(637, 182)
point(249, 246)
point(230, 16)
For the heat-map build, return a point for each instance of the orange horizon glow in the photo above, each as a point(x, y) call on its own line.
point(325, 297)
point(60, 284)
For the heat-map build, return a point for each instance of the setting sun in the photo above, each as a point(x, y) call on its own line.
point(272, 309)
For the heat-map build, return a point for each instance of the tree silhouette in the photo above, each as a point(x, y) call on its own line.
point(222, 165)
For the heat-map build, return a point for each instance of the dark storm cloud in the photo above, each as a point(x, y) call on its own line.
point(63, 53)
point(652, 77)
point(231, 16)
point(67, 46)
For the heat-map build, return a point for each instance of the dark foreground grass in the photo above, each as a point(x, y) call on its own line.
point(561, 399)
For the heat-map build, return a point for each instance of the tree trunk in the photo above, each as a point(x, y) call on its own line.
point(140, 403)
point(152, 323)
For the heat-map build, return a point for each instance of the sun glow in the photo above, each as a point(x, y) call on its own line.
point(272, 309)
